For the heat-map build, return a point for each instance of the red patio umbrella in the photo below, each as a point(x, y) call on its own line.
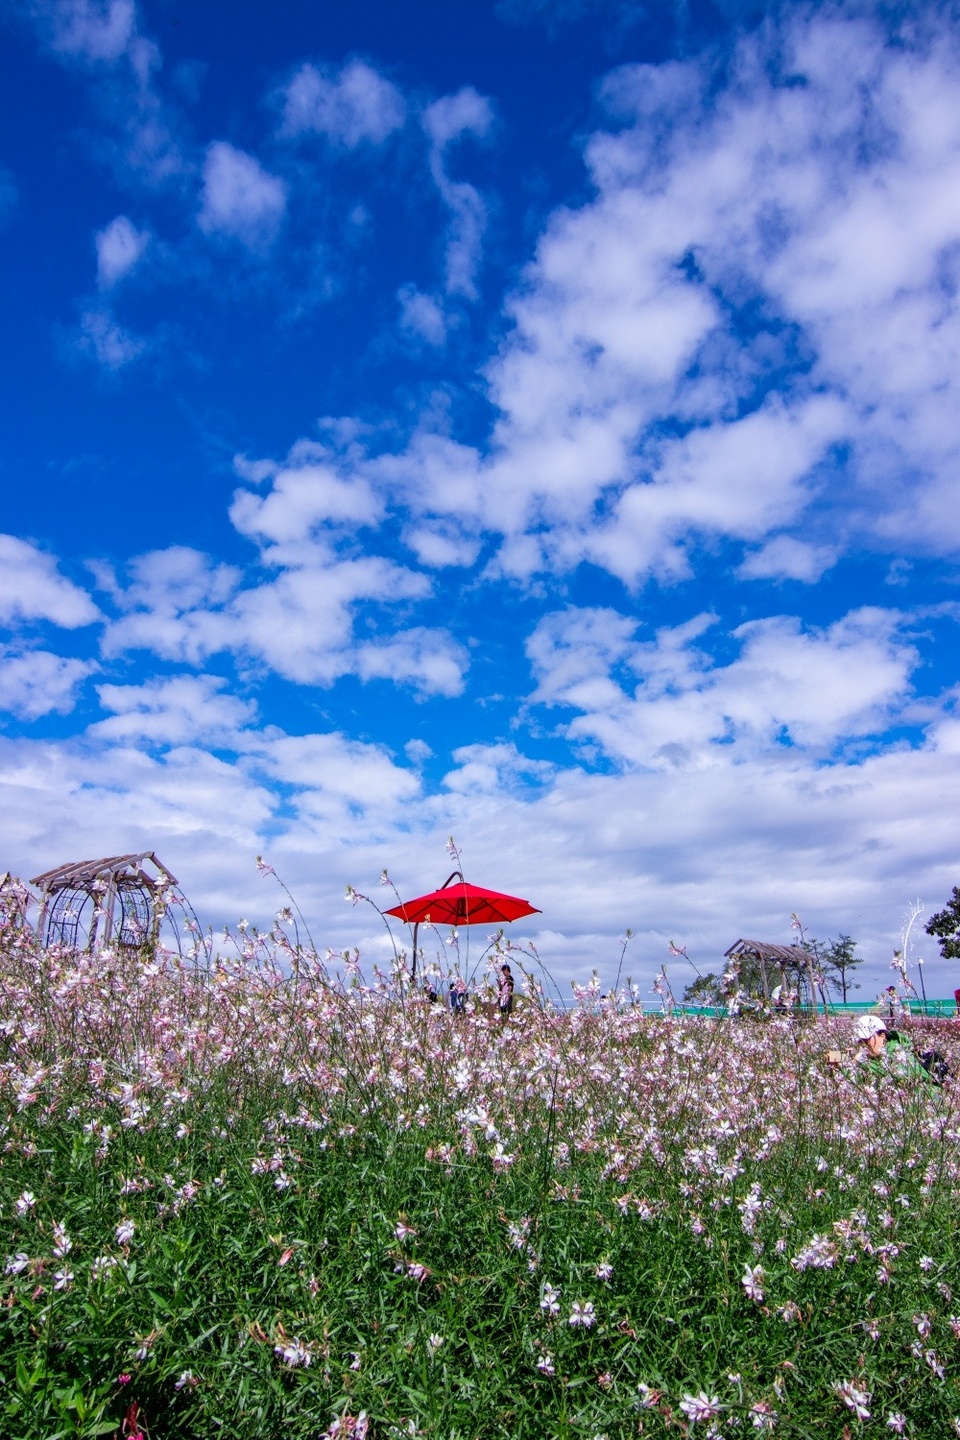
point(461, 904)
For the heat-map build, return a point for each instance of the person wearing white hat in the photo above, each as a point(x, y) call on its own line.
point(871, 1031)
point(884, 1052)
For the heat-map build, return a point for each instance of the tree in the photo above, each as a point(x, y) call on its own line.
point(837, 959)
point(741, 982)
point(945, 925)
point(705, 990)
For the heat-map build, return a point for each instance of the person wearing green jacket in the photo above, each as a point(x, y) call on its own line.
point(883, 1053)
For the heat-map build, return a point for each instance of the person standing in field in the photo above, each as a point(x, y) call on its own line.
point(889, 1004)
point(505, 990)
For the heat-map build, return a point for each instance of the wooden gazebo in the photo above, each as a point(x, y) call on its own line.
point(766, 954)
point(90, 904)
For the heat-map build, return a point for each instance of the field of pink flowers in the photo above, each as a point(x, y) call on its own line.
point(241, 1201)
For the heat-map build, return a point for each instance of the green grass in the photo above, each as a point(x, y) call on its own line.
point(517, 1157)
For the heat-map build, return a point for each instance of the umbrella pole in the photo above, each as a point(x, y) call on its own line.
point(413, 969)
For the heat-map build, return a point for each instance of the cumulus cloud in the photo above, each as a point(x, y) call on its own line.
point(105, 38)
point(453, 116)
point(91, 30)
point(119, 248)
point(421, 316)
point(333, 775)
point(750, 332)
point(106, 341)
point(441, 544)
point(32, 588)
point(494, 770)
point(668, 852)
point(307, 495)
point(299, 623)
point(351, 107)
point(446, 121)
point(787, 558)
point(239, 198)
point(790, 684)
point(430, 661)
point(36, 682)
point(178, 710)
point(172, 605)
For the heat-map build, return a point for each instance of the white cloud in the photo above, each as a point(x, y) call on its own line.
point(786, 558)
point(306, 496)
point(240, 199)
point(739, 479)
point(835, 202)
point(750, 332)
point(788, 685)
point(446, 121)
point(430, 661)
point(334, 775)
point(453, 116)
point(104, 37)
point(441, 544)
point(35, 682)
point(31, 588)
point(300, 623)
point(93, 30)
point(573, 653)
point(494, 770)
point(106, 341)
point(700, 855)
point(173, 605)
point(352, 107)
point(119, 248)
point(179, 710)
point(421, 316)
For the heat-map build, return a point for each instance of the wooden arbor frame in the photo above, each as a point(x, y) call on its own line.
point(763, 952)
point(90, 904)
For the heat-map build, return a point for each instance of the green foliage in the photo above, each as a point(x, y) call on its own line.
point(207, 1290)
point(705, 990)
point(837, 959)
point(945, 925)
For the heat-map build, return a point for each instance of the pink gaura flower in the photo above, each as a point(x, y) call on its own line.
point(700, 1408)
point(855, 1397)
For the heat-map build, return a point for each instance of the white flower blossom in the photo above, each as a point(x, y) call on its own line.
point(855, 1397)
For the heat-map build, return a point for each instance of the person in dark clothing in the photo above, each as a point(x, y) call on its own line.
point(505, 990)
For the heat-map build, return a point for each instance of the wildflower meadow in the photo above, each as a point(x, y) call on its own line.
point(260, 1195)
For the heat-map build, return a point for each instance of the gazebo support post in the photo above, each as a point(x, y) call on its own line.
point(813, 988)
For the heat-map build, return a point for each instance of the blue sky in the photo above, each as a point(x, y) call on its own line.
point(532, 423)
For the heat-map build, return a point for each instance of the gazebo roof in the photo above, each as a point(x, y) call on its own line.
point(790, 954)
point(80, 874)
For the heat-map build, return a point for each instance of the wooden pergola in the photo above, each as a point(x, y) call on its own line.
point(779, 955)
point(90, 904)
